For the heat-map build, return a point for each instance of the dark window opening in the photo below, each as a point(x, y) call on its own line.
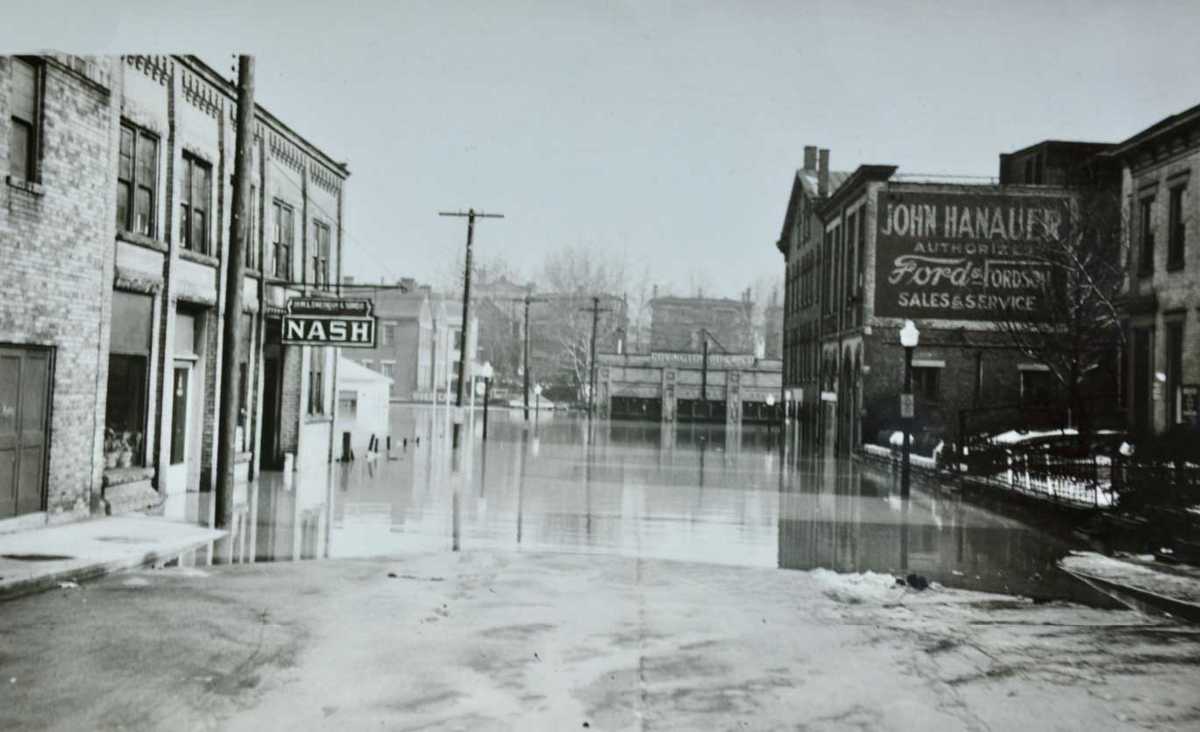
point(926, 385)
point(282, 238)
point(1174, 364)
point(1037, 388)
point(137, 180)
point(316, 381)
point(1146, 228)
point(1176, 232)
point(320, 258)
point(196, 203)
point(25, 122)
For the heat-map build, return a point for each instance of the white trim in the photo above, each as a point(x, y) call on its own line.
point(929, 363)
point(1032, 367)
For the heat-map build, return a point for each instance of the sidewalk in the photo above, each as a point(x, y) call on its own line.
point(39, 559)
point(1141, 582)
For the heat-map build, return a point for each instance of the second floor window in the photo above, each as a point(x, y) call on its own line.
point(1175, 228)
point(195, 204)
point(283, 234)
point(1146, 229)
point(25, 122)
point(320, 257)
point(137, 180)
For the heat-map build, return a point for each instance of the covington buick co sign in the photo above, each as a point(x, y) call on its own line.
point(964, 256)
point(317, 321)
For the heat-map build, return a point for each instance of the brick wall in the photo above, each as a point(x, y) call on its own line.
point(55, 245)
point(674, 324)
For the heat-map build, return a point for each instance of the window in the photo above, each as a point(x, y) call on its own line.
point(25, 129)
point(282, 237)
point(347, 403)
point(137, 180)
point(385, 368)
point(196, 204)
point(1175, 229)
point(129, 355)
point(316, 381)
point(320, 258)
point(1037, 387)
point(1174, 364)
point(1146, 227)
point(925, 383)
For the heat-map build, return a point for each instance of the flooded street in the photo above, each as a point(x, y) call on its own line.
point(689, 493)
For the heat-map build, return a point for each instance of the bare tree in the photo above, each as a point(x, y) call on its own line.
point(1074, 328)
point(571, 277)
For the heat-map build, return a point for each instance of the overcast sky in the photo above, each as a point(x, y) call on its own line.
point(664, 132)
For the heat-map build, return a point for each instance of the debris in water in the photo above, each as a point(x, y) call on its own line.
point(68, 585)
point(917, 582)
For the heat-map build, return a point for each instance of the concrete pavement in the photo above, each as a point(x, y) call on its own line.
point(40, 558)
point(499, 640)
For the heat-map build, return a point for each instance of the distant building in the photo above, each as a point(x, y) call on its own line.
point(681, 324)
point(685, 387)
point(363, 408)
point(417, 342)
point(1053, 163)
point(1161, 385)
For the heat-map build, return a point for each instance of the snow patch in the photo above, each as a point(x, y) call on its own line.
point(855, 589)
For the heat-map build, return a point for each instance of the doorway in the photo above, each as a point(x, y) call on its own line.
point(177, 466)
point(24, 400)
point(272, 400)
point(1143, 358)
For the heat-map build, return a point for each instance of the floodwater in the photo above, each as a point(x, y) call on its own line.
point(691, 493)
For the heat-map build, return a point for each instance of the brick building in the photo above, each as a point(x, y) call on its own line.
point(800, 244)
point(127, 163)
point(418, 340)
point(679, 324)
point(1162, 298)
point(871, 261)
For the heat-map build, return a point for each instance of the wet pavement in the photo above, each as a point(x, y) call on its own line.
point(690, 493)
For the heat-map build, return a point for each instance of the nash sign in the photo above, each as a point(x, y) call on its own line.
point(964, 256)
point(314, 321)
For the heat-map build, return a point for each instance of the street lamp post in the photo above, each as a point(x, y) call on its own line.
point(770, 412)
point(909, 337)
point(486, 372)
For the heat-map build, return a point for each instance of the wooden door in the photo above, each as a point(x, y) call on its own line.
point(24, 400)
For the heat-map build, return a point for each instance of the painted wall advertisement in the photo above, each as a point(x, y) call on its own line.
point(964, 256)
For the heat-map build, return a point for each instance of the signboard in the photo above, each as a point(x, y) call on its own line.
point(964, 256)
point(716, 361)
point(906, 406)
point(1189, 402)
point(318, 321)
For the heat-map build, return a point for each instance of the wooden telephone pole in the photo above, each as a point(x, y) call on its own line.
point(596, 310)
point(239, 238)
point(470, 215)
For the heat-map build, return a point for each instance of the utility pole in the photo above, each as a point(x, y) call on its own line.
point(596, 310)
point(525, 360)
point(239, 237)
point(470, 215)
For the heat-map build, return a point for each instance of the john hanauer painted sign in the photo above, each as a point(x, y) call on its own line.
point(964, 256)
point(316, 321)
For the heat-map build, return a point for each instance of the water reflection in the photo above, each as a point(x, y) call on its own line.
point(693, 493)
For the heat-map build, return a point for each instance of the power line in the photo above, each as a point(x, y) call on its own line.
point(331, 217)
